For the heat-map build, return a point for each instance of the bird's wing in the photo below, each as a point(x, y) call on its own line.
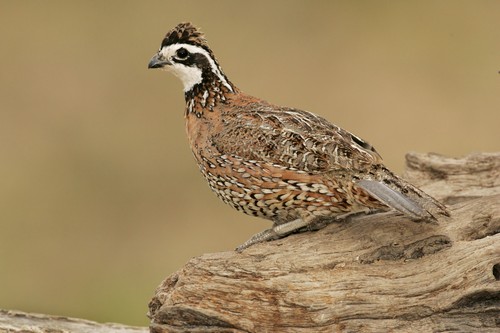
point(294, 139)
point(300, 140)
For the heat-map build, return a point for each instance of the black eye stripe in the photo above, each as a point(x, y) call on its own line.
point(194, 59)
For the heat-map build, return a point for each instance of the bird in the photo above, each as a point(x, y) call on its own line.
point(283, 164)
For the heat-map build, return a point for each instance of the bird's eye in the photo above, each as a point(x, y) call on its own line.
point(182, 53)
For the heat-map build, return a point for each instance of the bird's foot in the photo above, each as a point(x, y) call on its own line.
point(276, 232)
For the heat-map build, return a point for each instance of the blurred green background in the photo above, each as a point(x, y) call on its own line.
point(100, 198)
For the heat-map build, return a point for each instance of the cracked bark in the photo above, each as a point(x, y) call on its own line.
point(372, 273)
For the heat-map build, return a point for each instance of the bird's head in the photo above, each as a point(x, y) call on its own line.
point(184, 52)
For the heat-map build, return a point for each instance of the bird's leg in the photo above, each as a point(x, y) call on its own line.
point(276, 232)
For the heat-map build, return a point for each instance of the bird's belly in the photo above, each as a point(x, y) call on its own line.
point(277, 193)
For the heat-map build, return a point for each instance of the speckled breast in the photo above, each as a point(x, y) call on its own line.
point(274, 192)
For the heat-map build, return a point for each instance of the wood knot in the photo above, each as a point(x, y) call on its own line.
point(496, 271)
point(413, 250)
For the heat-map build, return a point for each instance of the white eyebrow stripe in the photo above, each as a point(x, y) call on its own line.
point(197, 49)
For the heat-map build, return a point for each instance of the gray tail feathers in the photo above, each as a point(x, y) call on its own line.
point(402, 196)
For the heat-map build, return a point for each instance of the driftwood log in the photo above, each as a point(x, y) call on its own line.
point(21, 322)
point(371, 273)
point(376, 273)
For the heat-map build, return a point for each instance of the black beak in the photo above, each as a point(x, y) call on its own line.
point(157, 62)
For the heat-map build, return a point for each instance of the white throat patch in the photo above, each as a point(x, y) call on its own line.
point(189, 76)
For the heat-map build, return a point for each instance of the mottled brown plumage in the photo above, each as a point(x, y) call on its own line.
point(282, 164)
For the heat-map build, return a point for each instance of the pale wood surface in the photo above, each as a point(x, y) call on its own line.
point(376, 273)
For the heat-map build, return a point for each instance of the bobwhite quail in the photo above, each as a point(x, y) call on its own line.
point(279, 163)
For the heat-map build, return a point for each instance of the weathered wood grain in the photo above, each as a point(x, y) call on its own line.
point(376, 273)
